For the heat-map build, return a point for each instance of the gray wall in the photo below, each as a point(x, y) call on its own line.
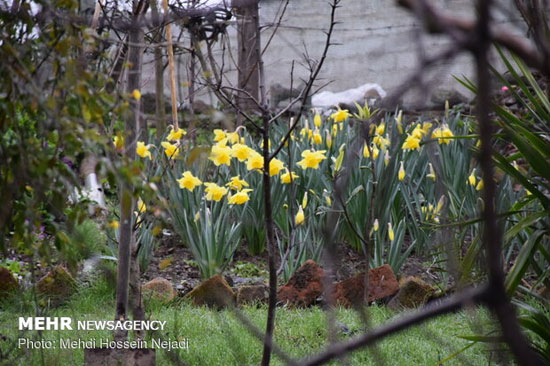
point(378, 43)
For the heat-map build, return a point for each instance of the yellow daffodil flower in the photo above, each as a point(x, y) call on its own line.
point(172, 151)
point(288, 176)
point(300, 217)
point(143, 150)
point(118, 141)
point(240, 197)
point(366, 151)
point(426, 126)
point(311, 159)
point(136, 94)
point(233, 137)
point(141, 206)
point(446, 132)
point(219, 135)
point(189, 181)
point(275, 166)
point(391, 234)
point(401, 174)
point(411, 143)
point(442, 133)
point(214, 192)
point(304, 200)
point(387, 158)
point(236, 183)
point(480, 185)
point(381, 141)
point(317, 139)
point(375, 225)
point(255, 161)
point(114, 224)
point(241, 152)
point(381, 128)
point(175, 134)
point(221, 155)
point(340, 115)
point(418, 132)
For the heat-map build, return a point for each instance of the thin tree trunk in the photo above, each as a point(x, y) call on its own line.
point(127, 201)
point(248, 33)
point(271, 249)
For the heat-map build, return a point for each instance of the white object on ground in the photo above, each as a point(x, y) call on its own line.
point(328, 99)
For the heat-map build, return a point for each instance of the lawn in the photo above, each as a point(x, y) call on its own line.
point(219, 338)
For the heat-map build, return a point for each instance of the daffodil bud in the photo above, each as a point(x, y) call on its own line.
point(431, 174)
point(300, 217)
point(317, 120)
point(339, 159)
point(401, 174)
point(440, 204)
point(472, 178)
point(391, 234)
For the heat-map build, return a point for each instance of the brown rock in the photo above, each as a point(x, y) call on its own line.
point(8, 283)
point(382, 283)
point(56, 286)
point(160, 289)
point(214, 293)
point(252, 294)
point(304, 287)
point(413, 292)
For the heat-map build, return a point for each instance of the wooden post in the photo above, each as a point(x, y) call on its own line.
point(248, 29)
point(159, 73)
point(173, 88)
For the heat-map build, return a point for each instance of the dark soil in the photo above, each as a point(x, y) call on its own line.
point(174, 262)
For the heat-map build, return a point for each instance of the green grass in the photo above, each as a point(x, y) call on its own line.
point(218, 338)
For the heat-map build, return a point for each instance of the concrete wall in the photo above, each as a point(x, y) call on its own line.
point(378, 42)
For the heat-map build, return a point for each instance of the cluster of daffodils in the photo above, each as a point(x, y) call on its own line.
point(171, 146)
point(229, 145)
point(431, 212)
point(234, 189)
point(442, 134)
